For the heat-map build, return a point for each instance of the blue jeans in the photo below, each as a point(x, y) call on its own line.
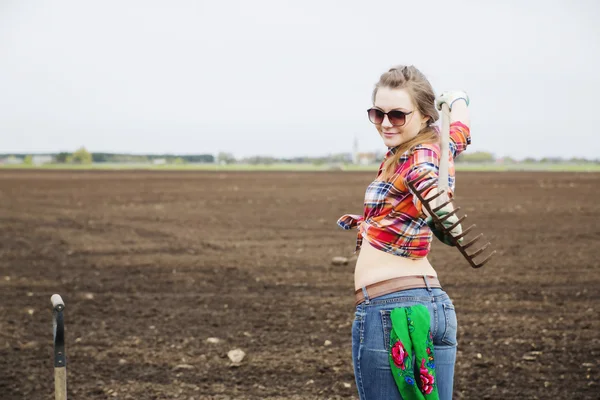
point(371, 342)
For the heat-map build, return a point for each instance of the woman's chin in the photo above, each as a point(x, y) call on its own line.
point(392, 142)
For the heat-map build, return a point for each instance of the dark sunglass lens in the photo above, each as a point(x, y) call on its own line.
point(375, 116)
point(397, 117)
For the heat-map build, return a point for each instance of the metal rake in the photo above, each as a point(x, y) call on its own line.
point(443, 190)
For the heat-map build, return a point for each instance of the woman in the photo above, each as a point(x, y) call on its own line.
point(394, 234)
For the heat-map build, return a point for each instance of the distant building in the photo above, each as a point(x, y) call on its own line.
point(11, 160)
point(39, 159)
point(366, 158)
point(159, 161)
point(355, 151)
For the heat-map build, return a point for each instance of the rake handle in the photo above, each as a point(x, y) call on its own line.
point(444, 150)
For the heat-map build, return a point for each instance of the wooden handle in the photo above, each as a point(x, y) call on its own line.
point(60, 383)
point(444, 155)
point(57, 302)
point(444, 148)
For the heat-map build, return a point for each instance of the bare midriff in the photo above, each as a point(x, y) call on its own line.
point(375, 265)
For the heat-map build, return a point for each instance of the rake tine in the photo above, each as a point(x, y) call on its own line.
point(442, 206)
point(461, 219)
point(445, 217)
point(484, 261)
point(466, 246)
point(478, 252)
point(436, 196)
point(424, 188)
point(418, 178)
point(464, 233)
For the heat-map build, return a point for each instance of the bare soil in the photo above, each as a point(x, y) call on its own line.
point(151, 264)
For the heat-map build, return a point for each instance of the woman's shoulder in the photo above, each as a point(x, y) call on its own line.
point(425, 150)
point(417, 156)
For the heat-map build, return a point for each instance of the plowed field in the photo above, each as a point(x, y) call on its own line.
point(151, 264)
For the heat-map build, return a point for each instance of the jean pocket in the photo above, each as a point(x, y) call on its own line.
point(450, 328)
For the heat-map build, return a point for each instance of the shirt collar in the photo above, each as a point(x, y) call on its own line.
point(392, 151)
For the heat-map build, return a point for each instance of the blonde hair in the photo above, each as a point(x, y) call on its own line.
point(421, 92)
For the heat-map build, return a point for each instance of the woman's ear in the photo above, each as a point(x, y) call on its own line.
point(425, 120)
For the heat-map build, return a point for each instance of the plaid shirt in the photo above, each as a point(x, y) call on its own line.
point(393, 220)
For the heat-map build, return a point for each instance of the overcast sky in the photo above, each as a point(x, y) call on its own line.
point(290, 78)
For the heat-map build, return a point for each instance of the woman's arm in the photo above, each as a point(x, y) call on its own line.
point(460, 121)
point(425, 164)
point(460, 113)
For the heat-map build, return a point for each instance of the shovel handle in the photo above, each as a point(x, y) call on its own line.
point(60, 383)
point(57, 302)
point(60, 360)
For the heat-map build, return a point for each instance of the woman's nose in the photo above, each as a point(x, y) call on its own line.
point(386, 122)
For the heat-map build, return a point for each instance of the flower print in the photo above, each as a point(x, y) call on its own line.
point(429, 354)
point(399, 354)
point(409, 380)
point(426, 379)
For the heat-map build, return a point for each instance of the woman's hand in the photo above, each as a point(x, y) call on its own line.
point(458, 102)
point(449, 97)
point(448, 223)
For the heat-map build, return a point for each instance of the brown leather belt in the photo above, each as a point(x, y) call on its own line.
point(395, 284)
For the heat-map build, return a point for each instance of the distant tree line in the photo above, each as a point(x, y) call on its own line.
point(486, 157)
point(342, 158)
point(83, 156)
point(80, 156)
point(480, 157)
point(148, 158)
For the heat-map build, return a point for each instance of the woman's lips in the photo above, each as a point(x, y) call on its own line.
point(390, 134)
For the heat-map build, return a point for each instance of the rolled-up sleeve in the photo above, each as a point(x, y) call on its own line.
point(460, 138)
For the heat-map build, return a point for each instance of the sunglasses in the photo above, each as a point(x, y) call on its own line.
point(396, 117)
